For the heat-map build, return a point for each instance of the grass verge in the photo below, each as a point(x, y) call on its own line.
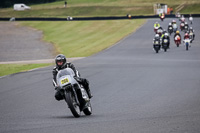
point(6, 69)
point(84, 38)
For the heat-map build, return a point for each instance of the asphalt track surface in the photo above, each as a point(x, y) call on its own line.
point(135, 91)
point(20, 43)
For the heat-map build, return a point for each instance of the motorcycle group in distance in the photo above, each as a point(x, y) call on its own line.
point(162, 36)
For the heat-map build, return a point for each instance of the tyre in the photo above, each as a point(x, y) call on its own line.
point(177, 44)
point(88, 110)
point(186, 46)
point(74, 107)
point(157, 51)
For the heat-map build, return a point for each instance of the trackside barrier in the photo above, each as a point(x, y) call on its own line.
point(93, 18)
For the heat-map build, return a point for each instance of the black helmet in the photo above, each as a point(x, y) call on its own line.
point(60, 60)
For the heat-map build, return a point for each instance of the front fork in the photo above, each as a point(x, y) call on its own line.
point(74, 93)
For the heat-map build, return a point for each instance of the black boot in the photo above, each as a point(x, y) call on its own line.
point(87, 88)
point(85, 84)
point(88, 92)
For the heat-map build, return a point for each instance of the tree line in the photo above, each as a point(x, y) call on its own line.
point(10, 3)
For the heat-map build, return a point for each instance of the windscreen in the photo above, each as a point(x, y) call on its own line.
point(66, 71)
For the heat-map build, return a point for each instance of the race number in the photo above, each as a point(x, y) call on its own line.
point(65, 80)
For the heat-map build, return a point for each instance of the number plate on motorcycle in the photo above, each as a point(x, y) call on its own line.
point(156, 42)
point(165, 40)
point(65, 80)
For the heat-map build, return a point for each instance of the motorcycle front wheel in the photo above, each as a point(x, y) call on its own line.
point(71, 101)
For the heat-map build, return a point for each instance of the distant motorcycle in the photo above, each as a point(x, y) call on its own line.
point(175, 27)
point(191, 35)
point(155, 29)
point(162, 17)
point(190, 19)
point(156, 46)
point(170, 30)
point(74, 93)
point(187, 43)
point(165, 44)
point(186, 28)
point(159, 31)
point(182, 26)
point(177, 40)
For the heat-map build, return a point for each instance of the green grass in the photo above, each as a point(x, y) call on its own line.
point(6, 69)
point(97, 8)
point(84, 38)
point(192, 8)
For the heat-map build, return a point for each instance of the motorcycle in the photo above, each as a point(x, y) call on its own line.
point(186, 28)
point(187, 43)
point(191, 35)
point(162, 17)
point(156, 46)
point(182, 25)
point(165, 44)
point(175, 27)
point(155, 29)
point(159, 31)
point(74, 94)
point(177, 40)
point(190, 19)
point(178, 15)
point(170, 30)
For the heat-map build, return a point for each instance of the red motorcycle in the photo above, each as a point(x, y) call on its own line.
point(162, 17)
point(159, 31)
point(177, 40)
point(182, 26)
point(155, 29)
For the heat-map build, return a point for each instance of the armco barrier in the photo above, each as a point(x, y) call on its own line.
point(94, 18)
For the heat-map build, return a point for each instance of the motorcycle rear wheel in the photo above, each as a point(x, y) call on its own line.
point(177, 44)
point(88, 110)
point(186, 47)
point(74, 107)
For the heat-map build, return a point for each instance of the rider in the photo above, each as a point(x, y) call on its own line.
point(177, 33)
point(156, 38)
point(191, 30)
point(186, 36)
point(182, 18)
point(174, 25)
point(156, 25)
point(170, 25)
point(190, 19)
point(165, 36)
point(61, 63)
point(161, 30)
point(163, 14)
point(173, 21)
point(186, 24)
